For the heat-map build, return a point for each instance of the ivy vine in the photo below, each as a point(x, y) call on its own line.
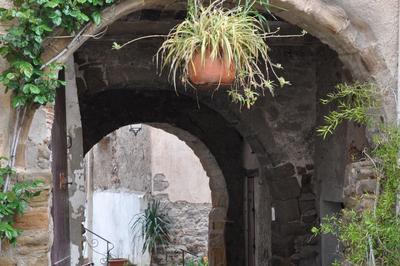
point(33, 23)
point(14, 202)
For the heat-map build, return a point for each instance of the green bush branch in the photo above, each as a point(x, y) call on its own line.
point(33, 23)
point(13, 202)
point(373, 234)
point(353, 103)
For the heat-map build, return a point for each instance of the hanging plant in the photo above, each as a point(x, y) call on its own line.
point(217, 46)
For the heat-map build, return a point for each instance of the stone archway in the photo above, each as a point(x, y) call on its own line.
point(351, 36)
point(270, 129)
point(347, 32)
point(108, 110)
point(216, 217)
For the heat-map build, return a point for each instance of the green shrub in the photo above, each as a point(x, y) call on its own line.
point(13, 202)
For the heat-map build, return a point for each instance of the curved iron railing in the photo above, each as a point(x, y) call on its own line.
point(95, 243)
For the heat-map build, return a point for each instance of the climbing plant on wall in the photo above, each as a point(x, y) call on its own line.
point(34, 23)
point(371, 236)
point(14, 201)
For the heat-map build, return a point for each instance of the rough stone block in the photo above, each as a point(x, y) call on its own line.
point(306, 205)
point(7, 261)
point(285, 188)
point(292, 228)
point(34, 259)
point(309, 216)
point(307, 196)
point(287, 210)
point(36, 218)
point(281, 171)
point(366, 186)
point(42, 200)
point(32, 238)
point(283, 246)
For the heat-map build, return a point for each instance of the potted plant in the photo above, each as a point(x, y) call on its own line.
point(217, 46)
point(117, 262)
point(152, 226)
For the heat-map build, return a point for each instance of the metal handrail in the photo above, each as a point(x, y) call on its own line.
point(110, 245)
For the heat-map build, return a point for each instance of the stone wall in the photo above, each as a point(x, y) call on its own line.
point(363, 39)
point(189, 231)
point(123, 160)
point(360, 185)
point(33, 246)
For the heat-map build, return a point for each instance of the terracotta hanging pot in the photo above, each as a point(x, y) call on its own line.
point(211, 71)
point(117, 262)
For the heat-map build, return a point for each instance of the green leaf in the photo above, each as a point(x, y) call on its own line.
point(24, 67)
point(96, 16)
point(31, 88)
point(52, 4)
point(56, 17)
point(10, 76)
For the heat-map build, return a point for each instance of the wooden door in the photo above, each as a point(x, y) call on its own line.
point(60, 251)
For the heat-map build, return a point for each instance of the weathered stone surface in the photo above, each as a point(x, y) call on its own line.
point(366, 186)
point(287, 210)
point(306, 205)
point(285, 188)
point(282, 171)
point(35, 218)
point(189, 230)
point(32, 238)
point(42, 200)
point(291, 228)
point(160, 182)
point(309, 216)
point(7, 261)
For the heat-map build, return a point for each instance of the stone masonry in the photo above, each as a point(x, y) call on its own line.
point(366, 42)
point(33, 246)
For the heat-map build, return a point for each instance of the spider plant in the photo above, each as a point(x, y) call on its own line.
point(237, 35)
point(152, 226)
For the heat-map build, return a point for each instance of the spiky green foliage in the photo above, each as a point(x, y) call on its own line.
point(353, 102)
point(373, 231)
point(370, 237)
point(236, 35)
point(153, 226)
point(14, 201)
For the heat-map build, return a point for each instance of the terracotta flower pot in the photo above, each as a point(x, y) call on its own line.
point(211, 71)
point(117, 262)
